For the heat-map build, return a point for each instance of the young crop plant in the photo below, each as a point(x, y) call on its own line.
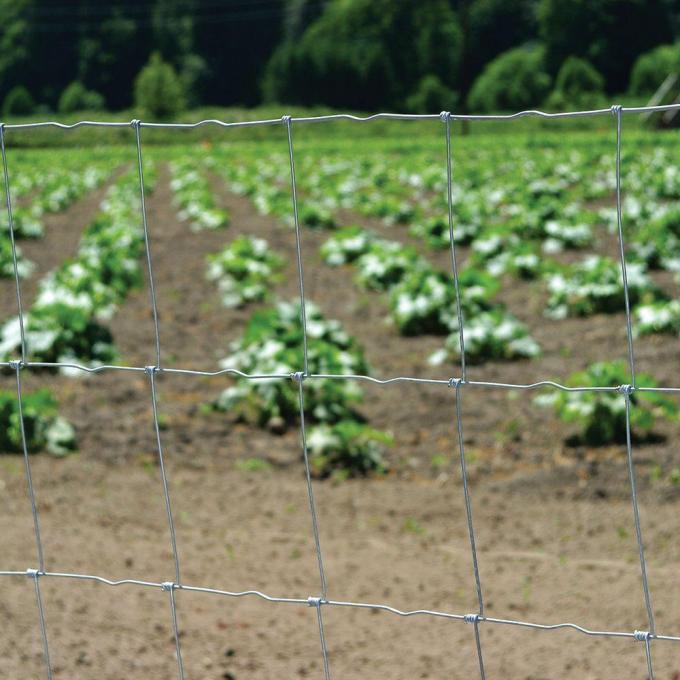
point(24, 267)
point(43, 427)
point(499, 252)
point(424, 301)
point(386, 263)
point(347, 448)
point(490, 335)
point(601, 416)
point(595, 285)
point(347, 245)
point(657, 317)
point(244, 271)
point(272, 344)
point(195, 198)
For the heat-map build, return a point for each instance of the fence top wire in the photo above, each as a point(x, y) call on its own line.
point(341, 116)
point(299, 376)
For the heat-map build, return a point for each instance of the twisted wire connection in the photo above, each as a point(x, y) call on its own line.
point(319, 602)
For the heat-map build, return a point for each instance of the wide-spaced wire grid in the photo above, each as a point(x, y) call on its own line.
point(300, 376)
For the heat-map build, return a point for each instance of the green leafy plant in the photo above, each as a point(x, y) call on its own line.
point(18, 102)
point(158, 89)
point(43, 427)
point(658, 317)
point(601, 416)
point(272, 344)
point(595, 285)
point(348, 446)
point(195, 198)
point(244, 271)
point(347, 245)
point(76, 97)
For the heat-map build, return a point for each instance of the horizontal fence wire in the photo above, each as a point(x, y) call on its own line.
point(303, 374)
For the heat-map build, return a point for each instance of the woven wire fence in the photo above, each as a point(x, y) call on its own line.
point(320, 600)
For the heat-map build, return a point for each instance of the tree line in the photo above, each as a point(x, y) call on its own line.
point(166, 55)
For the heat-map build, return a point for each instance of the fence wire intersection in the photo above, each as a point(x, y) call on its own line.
point(318, 602)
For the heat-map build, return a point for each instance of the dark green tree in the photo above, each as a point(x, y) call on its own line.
point(514, 80)
point(367, 54)
point(610, 34)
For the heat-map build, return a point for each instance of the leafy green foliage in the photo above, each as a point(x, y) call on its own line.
point(578, 85)
point(76, 97)
point(595, 285)
point(18, 102)
point(658, 317)
point(347, 245)
point(244, 271)
point(601, 416)
point(385, 264)
point(366, 53)
point(44, 429)
point(272, 344)
point(347, 447)
point(515, 80)
point(431, 96)
point(195, 198)
point(653, 67)
point(338, 440)
point(64, 324)
point(159, 91)
point(610, 35)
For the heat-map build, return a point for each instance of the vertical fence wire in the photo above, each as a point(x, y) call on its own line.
point(446, 118)
point(35, 575)
point(136, 124)
point(151, 372)
point(18, 365)
point(298, 243)
point(471, 528)
point(299, 378)
point(10, 219)
point(616, 110)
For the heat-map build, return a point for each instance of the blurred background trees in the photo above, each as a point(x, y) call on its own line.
point(69, 55)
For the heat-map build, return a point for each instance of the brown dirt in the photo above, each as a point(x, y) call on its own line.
point(554, 523)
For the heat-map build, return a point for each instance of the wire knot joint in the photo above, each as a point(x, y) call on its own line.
point(455, 382)
point(471, 618)
point(150, 370)
point(135, 123)
point(298, 376)
point(616, 109)
point(642, 635)
point(286, 120)
point(626, 389)
point(314, 602)
point(168, 586)
point(445, 116)
point(32, 573)
point(16, 364)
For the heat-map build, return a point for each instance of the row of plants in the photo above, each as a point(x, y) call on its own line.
point(422, 299)
point(339, 441)
point(194, 197)
point(244, 271)
point(65, 323)
point(44, 428)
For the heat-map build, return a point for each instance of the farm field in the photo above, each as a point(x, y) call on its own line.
point(541, 297)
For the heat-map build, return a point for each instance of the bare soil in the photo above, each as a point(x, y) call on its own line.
point(554, 522)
